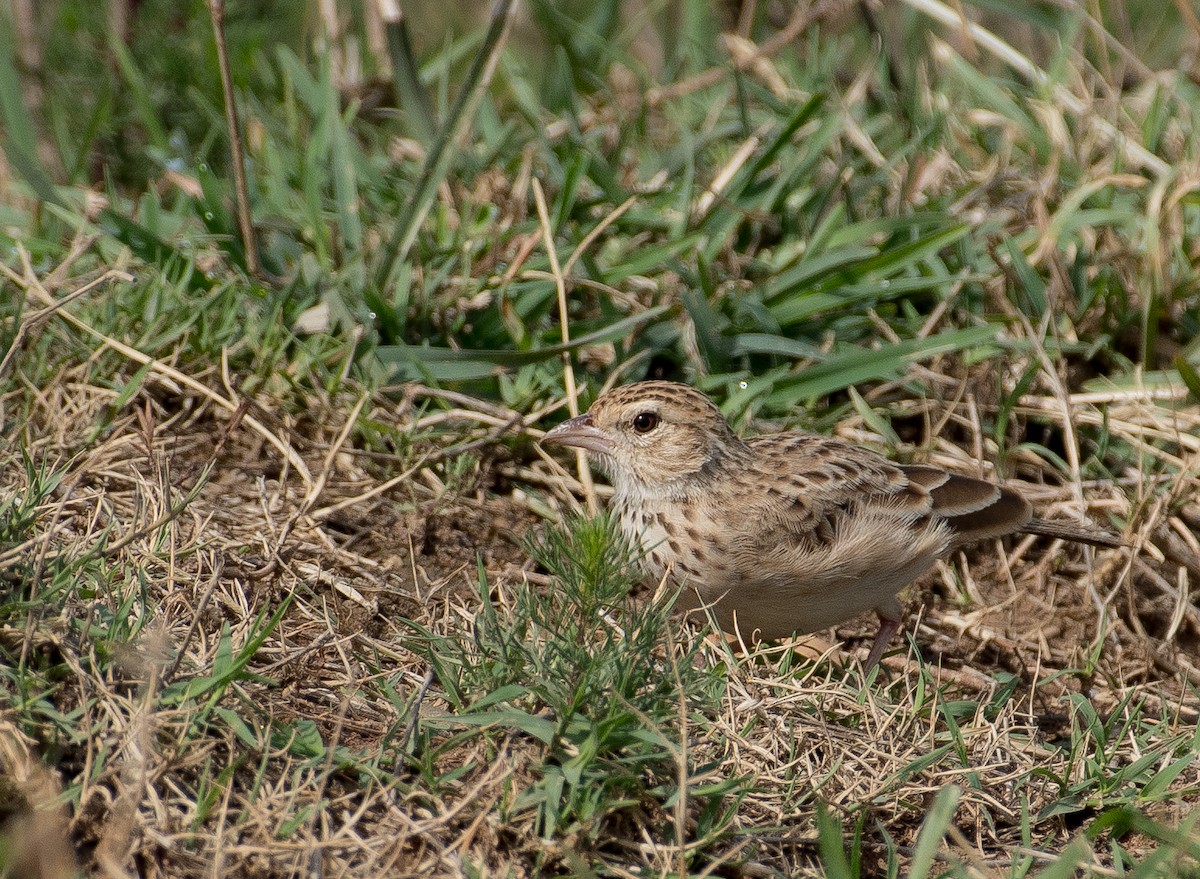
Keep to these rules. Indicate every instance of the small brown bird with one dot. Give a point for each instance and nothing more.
(787, 533)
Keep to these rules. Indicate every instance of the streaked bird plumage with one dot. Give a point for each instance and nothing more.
(785, 533)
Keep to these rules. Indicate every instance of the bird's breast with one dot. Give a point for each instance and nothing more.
(677, 537)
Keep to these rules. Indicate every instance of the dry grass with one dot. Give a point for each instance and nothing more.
(266, 619)
(192, 751)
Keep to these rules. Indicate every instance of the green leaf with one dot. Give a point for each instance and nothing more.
(540, 728)
(853, 365)
(414, 100)
(829, 842)
(304, 83)
(714, 345)
(295, 822)
(241, 728)
(933, 831)
(1031, 292)
(506, 693)
(780, 346)
(1189, 376)
(151, 249)
(1067, 864)
(452, 364)
(135, 83)
(1157, 786)
(343, 157)
(20, 139)
(131, 388)
(872, 419)
(650, 259)
(811, 269)
(303, 739)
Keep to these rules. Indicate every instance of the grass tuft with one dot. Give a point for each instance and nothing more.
(597, 679)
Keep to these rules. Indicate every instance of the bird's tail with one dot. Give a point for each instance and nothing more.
(1062, 531)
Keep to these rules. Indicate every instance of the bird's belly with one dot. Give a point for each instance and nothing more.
(742, 588)
(769, 608)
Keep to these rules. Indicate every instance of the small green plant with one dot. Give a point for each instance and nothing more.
(20, 509)
(597, 677)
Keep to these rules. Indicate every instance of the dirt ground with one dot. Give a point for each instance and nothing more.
(185, 571)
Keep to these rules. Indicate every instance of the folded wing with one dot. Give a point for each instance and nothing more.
(827, 479)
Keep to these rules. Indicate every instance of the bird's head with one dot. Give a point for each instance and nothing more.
(653, 438)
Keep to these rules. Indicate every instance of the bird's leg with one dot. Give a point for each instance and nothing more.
(888, 628)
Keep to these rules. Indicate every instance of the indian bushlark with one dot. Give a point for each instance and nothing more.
(787, 533)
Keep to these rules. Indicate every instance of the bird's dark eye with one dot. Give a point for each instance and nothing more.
(644, 422)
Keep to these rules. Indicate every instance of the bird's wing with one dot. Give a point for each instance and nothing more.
(975, 509)
(822, 479)
(812, 482)
(842, 530)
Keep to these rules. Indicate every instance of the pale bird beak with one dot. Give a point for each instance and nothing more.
(580, 432)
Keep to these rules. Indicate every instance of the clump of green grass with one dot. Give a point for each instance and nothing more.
(601, 687)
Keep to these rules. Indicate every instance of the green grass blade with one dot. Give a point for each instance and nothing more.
(413, 98)
(20, 140)
(856, 365)
(139, 91)
(454, 364)
(933, 831)
(445, 148)
(1190, 376)
(830, 844)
